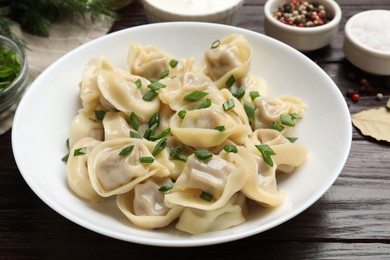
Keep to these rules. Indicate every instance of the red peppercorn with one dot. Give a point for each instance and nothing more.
(355, 97)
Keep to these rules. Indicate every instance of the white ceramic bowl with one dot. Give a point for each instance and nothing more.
(367, 41)
(216, 11)
(302, 38)
(325, 132)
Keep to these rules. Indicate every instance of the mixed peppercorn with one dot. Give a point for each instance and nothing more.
(302, 14)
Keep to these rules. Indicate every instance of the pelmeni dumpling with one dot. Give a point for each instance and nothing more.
(268, 109)
(144, 205)
(218, 178)
(85, 125)
(112, 173)
(261, 185)
(283, 149)
(232, 56)
(147, 61)
(115, 125)
(77, 171)
(197, 128)
(196, 221)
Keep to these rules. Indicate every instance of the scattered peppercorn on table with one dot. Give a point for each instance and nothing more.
(351, 220)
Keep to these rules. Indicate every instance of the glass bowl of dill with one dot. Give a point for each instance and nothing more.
(13, 74)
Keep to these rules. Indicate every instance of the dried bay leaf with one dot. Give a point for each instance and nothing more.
(374, 122)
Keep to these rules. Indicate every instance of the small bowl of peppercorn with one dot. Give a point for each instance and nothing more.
(304, 25)
(13, 75)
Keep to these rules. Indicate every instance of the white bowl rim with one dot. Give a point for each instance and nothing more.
(356, 43)
(305, 30)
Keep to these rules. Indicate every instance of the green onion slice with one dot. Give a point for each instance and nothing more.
(276, 126)
(204, 104)
(202, 154)
(156, 85)
(150, 95)
(164, 74)
(195, 95)
(134, 121)
(126, 151)
(80, 151)
(287, 120)
(146, 159)
(249, 110)
(296, 115)
(182, 114)
(237, 92)
(150, 131)
(166, 187)
(220, 128)
(215, 44)
(135, 135)
(138, 83)
(173, 63)
(206, 196)
(254, 94)
(100, 114)
(266, 152)
(155, 119)
(161, 135)
(177, 153)
(228, 104)
(230, 148)
(65, 158)
(230, 81)
(160, 146)
(292, 139)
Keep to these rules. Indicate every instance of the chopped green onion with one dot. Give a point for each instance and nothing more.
(156, 85)
(164, 74)
(155, 119)
(80, 151)
(249, 110)
(266, 152)
(135, 135)
(67, 143)
(296, 115)
(166, 187)
(228, 104)
(203, 154)
(173, 63)
(204, 104)
(177, 153)
(134, 121)
(215, 44)
(195, 95)
(230, 148)
(238, 92)
(160, 146)
(287, 120)
(220, 128)
(206, 196)
(292, 139)
(65, 158)
(146, 159)
(230, 81)
(254, 94)
(150, 131)
(276, 126)
(138, 83)
(161, 135)
(100, 114)
(182, 114)
(126, 151)
(150, 95)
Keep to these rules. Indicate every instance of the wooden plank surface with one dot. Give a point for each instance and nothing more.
(351, 221)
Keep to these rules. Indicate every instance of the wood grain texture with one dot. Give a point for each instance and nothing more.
(351, 220)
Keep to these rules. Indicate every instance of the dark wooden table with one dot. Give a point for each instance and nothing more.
(352, 219)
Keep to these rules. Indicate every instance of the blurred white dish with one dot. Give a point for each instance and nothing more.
(216, 11)
(367, 41)
(42, 121)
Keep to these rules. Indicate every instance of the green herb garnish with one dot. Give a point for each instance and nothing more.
(254, 94)
(156, 85)
(161, 135)
(228, 104)
(237, 92)
(204, 104)
(135, 135)
(138, 83)
(249, 110)
(230, 148)
(146, 159)
(292, 139)
(150, 95)
(276, 126)
(100, 114)
(134, 121)
(173, 63)
(166, 187)
(230, 81)
(195, 95)
(10, 66)
(215, 44)
(160, 146)
(220, 128)
(80, 151)
(126, 151)
(182, 114)
(202, 154)
(177, 153)
(206, 196)
(266, 152)
(164, 74)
